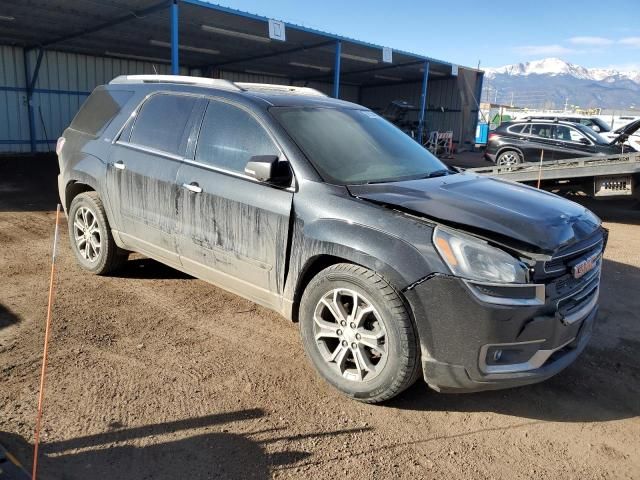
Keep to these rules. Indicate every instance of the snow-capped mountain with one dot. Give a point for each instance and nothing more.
(556, 66)
(552, 80)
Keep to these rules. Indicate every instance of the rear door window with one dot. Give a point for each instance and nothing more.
(162, 123)
(541, 130)
(99, 109)
(230, 136)
(517, 129)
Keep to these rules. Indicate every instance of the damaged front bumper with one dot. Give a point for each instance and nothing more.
(473, 341)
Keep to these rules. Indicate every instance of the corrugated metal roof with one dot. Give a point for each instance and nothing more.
(139, 30)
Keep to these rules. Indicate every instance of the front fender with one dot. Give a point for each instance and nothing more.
(396, 259)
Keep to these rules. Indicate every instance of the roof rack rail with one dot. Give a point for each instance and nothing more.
(269, 87)
(181, 79)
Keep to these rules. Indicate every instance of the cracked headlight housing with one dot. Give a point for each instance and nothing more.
(474, 259)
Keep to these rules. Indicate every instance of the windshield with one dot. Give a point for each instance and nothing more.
(350, 146)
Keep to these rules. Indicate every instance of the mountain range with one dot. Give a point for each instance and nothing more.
(552, 82)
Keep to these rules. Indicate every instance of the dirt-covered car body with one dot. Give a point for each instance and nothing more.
(266, 237)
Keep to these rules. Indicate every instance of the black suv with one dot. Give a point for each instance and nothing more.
(394, 265)
(524, 141)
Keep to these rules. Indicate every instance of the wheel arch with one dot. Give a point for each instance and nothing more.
(324, 242)
(506, 148)
(73, 189)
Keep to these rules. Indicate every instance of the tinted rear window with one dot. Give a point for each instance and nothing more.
(99, 109)
(541, 130)
(516, 128)
(162, 123)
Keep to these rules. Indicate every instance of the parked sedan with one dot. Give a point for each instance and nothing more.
(525, 141)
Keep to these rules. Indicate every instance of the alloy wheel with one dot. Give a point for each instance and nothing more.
(350, 335)
(87, 234)
(509, 159)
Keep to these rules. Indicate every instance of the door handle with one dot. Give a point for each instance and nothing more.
(119, 165)
(192, 187)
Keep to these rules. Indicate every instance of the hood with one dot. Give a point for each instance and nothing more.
(489, 206)
(626, 131)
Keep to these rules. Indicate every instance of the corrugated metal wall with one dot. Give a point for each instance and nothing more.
(444, 103)
(14, 118)
(64, 82)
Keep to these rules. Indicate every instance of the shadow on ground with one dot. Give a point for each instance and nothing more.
(148, 269)
(28, 183)
(218, 454)
(7, 317)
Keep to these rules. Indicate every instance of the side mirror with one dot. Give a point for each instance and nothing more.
(584, 141)
(596, 128)
(268, 168)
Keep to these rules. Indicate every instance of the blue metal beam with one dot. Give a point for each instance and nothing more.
(34, 77)
(336, 70)
(423, 101)
(175, 61)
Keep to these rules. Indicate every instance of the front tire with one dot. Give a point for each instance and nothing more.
(358, 334)
(90, 235)
(509, 158)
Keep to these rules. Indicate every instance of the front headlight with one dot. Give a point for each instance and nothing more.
(474, 259)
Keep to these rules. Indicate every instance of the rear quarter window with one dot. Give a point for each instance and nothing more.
(99, 109)
(162, 123)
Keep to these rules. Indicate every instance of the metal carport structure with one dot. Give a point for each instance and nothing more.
(66, 37)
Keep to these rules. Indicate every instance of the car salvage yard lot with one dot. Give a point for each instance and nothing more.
(155, 374)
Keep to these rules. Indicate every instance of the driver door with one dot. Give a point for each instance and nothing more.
(571, 143)
(233, 230)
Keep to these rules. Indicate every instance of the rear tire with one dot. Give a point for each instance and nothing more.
(358, 333)
(509, 158)
(90, 235)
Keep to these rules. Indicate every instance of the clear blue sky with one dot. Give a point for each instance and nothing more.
(589, 33)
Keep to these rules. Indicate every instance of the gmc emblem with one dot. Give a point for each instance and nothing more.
(585, 266)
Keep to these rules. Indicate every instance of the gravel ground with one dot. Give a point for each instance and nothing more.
(154, 374)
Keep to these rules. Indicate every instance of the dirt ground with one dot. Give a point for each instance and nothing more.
(154, 374)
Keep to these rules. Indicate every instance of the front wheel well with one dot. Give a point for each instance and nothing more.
(509, 148)
(72, 190)
(313, 267)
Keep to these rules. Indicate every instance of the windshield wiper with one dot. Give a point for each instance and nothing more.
(435, 173)
(438, 173)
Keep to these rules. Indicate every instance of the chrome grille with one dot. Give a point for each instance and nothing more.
(557, 273)
(562, 262)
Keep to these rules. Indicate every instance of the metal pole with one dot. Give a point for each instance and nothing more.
(32, 119)
(175, 62)
(423, 101)
(336, 71)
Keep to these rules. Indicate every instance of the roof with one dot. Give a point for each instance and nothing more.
(211, 36)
